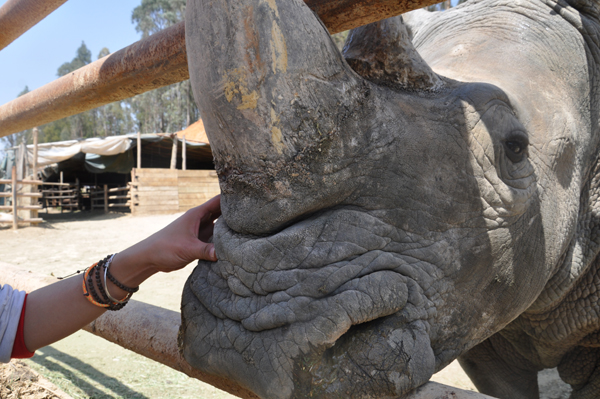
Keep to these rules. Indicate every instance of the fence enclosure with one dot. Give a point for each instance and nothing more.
(22, 199)
(156, 191)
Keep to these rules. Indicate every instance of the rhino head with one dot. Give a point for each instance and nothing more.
(381, 214)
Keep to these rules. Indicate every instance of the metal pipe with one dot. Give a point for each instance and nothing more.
(152, 332)
(341, 15)
(18, 16)
(158, 61)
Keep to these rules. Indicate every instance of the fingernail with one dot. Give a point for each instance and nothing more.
(211, 253)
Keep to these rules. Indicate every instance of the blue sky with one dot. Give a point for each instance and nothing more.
(34, 57)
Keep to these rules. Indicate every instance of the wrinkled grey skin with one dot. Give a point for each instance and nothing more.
(381, 221)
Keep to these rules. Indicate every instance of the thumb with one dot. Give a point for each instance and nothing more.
(206, 251)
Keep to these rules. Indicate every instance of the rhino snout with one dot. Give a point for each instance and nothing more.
(319, 308)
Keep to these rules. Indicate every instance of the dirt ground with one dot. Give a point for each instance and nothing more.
(85, 366)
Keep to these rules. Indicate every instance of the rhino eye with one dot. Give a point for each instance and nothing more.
(515, 149)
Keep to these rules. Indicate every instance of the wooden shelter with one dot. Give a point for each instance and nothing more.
(161, 190)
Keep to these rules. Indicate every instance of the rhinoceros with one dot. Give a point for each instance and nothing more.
(429, 193)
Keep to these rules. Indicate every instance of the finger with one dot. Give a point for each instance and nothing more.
(206, 252)
(213, 206)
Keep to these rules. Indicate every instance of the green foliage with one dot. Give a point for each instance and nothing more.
(340, 39)
(83, 57)
(103, 53)
(24, 91)
(167, 109)
(171, 108)
(155, 15)
(17, 138)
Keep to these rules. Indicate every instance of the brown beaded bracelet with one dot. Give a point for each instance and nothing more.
(94, 287)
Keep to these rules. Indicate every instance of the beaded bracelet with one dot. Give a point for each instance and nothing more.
(86, 292)
(95, 288)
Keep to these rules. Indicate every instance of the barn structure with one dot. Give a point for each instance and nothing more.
(138, 173)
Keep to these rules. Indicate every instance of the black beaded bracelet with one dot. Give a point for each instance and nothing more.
(106, 265)
(94, 287)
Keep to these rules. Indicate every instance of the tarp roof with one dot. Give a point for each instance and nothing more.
(112, 154)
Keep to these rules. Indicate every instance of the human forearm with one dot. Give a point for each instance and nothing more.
(55, 311)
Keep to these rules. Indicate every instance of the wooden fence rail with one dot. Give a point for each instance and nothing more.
(102, 198)
(61, 195)
(156, 61)
(152, 332)
(15, 195)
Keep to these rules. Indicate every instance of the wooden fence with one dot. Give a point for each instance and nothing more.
(61, 195)
(106, 198)
(155, 191)
(15, 195)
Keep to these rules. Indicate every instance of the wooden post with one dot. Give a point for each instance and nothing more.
(139, 150)
(105, 198)
(60, 192)
(183, 155)
(174, 153)
(78, 198)
(14, 197)
(35, 152)
(33, 214)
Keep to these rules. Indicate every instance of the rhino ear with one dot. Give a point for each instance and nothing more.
(383, 53)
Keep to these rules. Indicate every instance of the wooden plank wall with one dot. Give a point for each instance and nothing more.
(196, 187)
(162, 191)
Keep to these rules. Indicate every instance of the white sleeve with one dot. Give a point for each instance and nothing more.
(11, 304)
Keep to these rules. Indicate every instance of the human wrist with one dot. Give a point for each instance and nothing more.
(130, 269)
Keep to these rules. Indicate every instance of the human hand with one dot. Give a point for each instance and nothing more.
(173, 247)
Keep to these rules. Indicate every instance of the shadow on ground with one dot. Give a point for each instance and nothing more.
(55, 360)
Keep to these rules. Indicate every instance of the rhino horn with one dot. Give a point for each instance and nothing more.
(383, 53)
(262, 87)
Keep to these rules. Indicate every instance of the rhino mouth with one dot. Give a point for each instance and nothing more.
(325, 307)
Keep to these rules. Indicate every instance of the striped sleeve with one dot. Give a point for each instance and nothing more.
(11, 304)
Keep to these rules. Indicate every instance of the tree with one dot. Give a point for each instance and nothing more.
(16, 139)
(155, 15)
(108, 120)
(171, 108)
(103, 53)
(83, 57)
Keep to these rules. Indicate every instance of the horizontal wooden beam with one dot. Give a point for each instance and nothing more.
(152, 332)
(158, 61)
(342, 15)
(20, 207)
(9, 181)
(27, 195)
(18, 16)
(23, 221)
